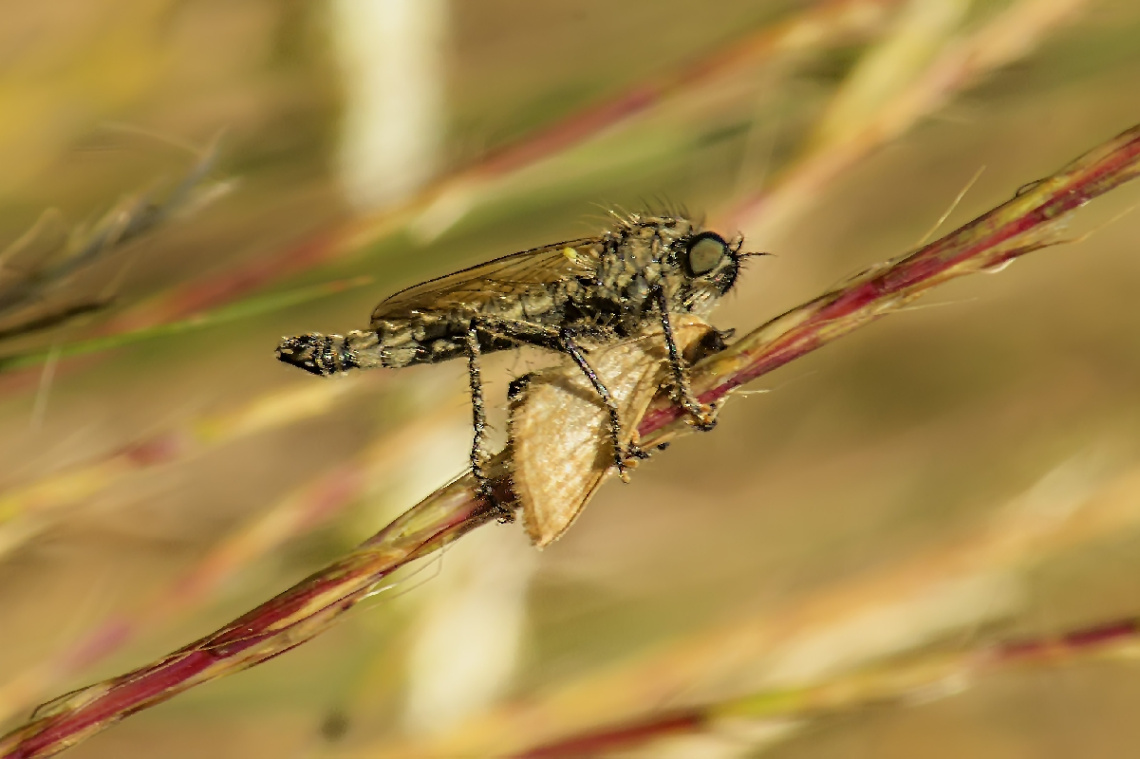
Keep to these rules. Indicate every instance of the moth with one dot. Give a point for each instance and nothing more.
(569, 297)
(559, 433)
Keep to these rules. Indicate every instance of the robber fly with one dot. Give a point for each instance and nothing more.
(566, 297)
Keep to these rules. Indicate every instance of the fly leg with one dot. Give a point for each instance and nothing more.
(479, 455)
(621, 453)
(562, 341)
(704, 416)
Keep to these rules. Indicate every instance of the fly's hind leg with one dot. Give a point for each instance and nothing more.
(704, 417)
(479, 455)
(621, 453)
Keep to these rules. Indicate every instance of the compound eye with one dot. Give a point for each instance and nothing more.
(706, 251)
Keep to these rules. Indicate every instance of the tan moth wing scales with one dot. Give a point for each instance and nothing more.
(559, 432)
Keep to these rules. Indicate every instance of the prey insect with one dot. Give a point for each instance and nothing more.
(559, 433)
(567, 297)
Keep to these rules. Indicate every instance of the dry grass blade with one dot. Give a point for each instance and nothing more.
(872, 638)
(234, 311)
(310, 505)
(858, 125)
(1028, 222)
(29, 508)
(921, 678)
(48, 255)
(815, 27)
(1024, 224)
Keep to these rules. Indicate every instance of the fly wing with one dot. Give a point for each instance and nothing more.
(559, 428)
(508, 277)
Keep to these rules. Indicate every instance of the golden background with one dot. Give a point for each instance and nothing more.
(957, 475)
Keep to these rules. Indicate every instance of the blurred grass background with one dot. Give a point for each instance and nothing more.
(958, 474)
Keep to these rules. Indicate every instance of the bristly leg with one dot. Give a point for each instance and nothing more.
(621, 452)
(479, 455)
(704, 416)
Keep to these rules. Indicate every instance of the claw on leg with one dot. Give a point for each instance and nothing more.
(703, 417)
(484, 491)
(506, 514)
(627, 458)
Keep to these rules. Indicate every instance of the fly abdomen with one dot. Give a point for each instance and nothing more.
(332, 354)
(316, 353)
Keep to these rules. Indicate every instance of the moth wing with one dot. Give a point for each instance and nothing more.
(559, 428)
(508, 277)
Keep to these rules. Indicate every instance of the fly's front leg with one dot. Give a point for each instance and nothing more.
(704, 416)
(479, 456)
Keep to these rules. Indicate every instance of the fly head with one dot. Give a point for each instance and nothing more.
(709, 265)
